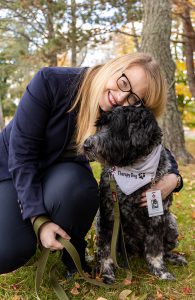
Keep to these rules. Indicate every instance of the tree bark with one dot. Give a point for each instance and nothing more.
(2, 124)
(73, 35)
(189, 47)
(52, 58)
(156, 41)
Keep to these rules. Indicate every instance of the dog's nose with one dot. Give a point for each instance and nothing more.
(88, 144)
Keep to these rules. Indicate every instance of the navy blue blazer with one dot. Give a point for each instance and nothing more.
(38, 134)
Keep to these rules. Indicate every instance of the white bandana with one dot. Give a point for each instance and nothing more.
(131, 178)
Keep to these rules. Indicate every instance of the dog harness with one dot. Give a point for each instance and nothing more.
(131, 178)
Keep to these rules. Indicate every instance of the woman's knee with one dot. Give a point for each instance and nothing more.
(71, 195)
(14, 255)
(69, 184)
(17, 238)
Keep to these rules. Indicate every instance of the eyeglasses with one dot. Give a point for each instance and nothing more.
(125, 86)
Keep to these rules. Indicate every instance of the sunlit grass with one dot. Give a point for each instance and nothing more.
(19, 285)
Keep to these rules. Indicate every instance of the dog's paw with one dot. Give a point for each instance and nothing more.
(163, 274)
(108, 279)
(166, 276)
(176, 259)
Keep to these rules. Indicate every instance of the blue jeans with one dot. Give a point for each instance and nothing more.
(71, 200)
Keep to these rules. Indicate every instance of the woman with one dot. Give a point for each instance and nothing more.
(42, 172)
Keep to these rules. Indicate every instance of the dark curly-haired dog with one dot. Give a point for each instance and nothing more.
(124, 137)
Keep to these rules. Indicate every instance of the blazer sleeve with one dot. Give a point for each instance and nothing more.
(26, 139)
(174, 169)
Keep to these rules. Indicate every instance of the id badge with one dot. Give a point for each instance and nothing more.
(154, 201)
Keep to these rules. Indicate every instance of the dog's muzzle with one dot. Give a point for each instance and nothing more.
(88, 145)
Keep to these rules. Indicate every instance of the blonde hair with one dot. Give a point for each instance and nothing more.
(94, 83)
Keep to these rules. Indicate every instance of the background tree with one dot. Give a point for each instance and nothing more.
(156, 40)
(183, 9)
(53, 27)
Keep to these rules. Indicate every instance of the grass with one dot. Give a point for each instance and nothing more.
(19, 285)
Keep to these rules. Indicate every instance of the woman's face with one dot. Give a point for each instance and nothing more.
(114, 96)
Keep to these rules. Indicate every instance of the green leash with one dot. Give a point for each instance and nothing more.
(56, 286)
(118, 227)
(74, 254)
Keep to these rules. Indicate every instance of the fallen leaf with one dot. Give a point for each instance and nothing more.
(14, 286)
(17, 297)
(159, 295)
(178, 204)
(180, 237)
(133, 297)
(187, 290)
(127, 281)
(193, 214)
(75, 291)
(98, 278)
(101, 298)
(123, 295)
(77, 285)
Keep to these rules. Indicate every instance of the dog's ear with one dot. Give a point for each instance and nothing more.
(118, 120)
(143, 128)
(103, 119)
(115, 119)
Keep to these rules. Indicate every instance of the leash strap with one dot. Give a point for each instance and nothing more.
(43, 261)
(116, 228)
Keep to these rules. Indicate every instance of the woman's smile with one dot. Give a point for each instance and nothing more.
(111, 99)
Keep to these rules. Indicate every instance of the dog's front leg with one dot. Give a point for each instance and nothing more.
(104, 229)
(104, 236)
(154, 250)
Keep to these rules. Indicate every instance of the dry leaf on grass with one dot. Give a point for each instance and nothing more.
(14, 287)
(101, 298)
(193, 214)
(127, 281)
(17, 297)
(187, 290)
(123, 295)
(75, 291)
(159, 295)
(77, 285)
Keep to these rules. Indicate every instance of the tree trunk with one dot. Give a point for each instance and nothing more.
(1, 117)
(73, 34)
(189, 42)
(156, 40)
(52, 57)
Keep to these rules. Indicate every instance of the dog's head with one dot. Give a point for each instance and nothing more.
(124, 135)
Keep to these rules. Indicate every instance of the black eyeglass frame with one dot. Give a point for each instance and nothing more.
(139, 101)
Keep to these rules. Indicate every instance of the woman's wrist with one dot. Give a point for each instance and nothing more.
(38, 222)
(177, 181)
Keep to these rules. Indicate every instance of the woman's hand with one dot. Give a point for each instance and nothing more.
(166, 185)
(47, 236)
